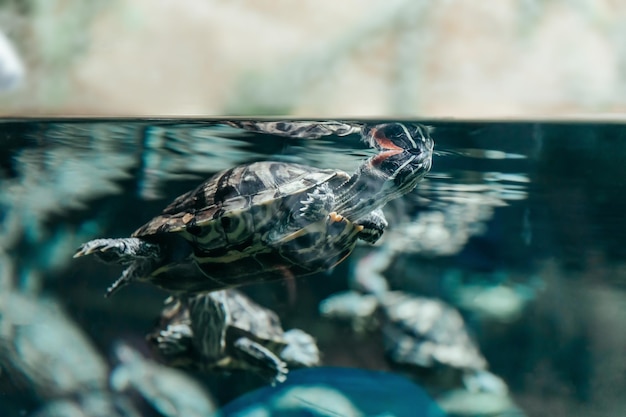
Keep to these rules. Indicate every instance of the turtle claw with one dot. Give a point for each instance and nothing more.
(122, 251)
(87, 249)
(261, 358)
(318, 203)
(106, 248)
(281, 375)
(301, 349)
(372, 226)
(100, 246)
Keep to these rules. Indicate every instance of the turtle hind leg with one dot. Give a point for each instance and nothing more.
(122, 251)
(120, 283)
(261, 359)
(374, 225)
(137, 270)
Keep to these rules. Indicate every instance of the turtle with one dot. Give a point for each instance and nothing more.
(421, 335)
(417, 331)
(427, 340)
(424, 338)
(269, 220)
(226, 330)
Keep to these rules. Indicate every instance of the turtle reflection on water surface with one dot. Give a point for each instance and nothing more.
(270, 220)
(226, 330)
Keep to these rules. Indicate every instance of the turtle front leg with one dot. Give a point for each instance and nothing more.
(122, 251)
(374, 224)
(261, 359)
(318, 204)
(174, 340)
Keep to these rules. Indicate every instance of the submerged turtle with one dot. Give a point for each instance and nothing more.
(427, 340)
(270, 220)
(424, 338)
(421, 335)
(418, 332)
(225, 330)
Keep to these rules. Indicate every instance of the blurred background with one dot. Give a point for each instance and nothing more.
(455, 58)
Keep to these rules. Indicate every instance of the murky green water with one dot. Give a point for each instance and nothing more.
(512, 246)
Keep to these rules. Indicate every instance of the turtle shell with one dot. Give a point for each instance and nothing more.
(244, 225)
(202, 332)
(241, 318)
(427, 333)
(235, 204)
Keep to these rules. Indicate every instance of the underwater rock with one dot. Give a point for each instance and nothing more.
(169, 391)
(95, 404)
(45, 350)
(336, 392)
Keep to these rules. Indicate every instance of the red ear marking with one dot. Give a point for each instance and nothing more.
(383, 141)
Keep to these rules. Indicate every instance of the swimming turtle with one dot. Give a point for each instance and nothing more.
(270, 220)
(226, 330)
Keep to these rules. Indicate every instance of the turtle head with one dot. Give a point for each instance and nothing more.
(405, 154)
(404, 157)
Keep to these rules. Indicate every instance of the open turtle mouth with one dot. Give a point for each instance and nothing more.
(381, 141)
(399, 137)
(392, 139)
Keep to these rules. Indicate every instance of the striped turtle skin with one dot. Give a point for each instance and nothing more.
(270, 220)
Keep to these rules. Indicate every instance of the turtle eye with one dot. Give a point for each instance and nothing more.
(194, 229)
(392, 131)
(226, 223)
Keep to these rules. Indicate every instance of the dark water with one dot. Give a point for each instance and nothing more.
(518, 226)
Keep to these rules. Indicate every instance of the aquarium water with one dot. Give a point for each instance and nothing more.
(497, 288)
